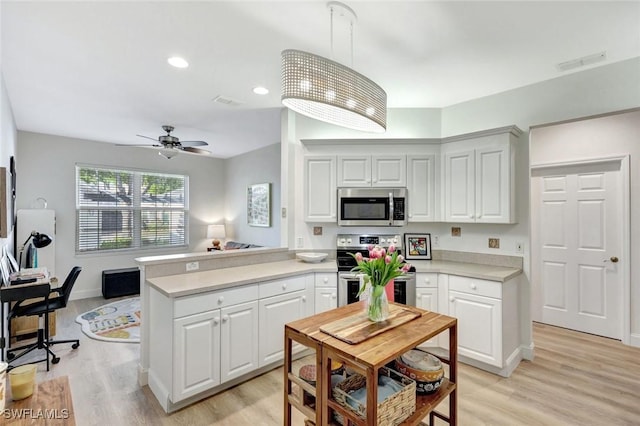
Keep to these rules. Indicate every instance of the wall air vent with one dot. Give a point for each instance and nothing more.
(225, 100)
(581, 62)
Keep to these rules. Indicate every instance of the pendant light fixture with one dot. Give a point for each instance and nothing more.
(326, 90)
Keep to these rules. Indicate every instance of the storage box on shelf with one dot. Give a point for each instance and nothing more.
(366, 358)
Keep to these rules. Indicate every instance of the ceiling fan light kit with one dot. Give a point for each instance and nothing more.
(326, 90)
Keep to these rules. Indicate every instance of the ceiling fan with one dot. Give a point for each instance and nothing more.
(171, 145)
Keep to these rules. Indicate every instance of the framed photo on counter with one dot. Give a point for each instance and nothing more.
(417, 246)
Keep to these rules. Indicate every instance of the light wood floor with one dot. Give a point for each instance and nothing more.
(575, 379)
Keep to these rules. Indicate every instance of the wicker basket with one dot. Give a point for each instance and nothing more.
(391, 411)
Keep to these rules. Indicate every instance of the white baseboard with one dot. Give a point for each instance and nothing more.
(143, 375)
(85, 294)
(528, 352)
(634, 340)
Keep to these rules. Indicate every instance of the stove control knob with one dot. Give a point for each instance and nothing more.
(349, 241)
(395, 241)
(342, 241)
(382, 240)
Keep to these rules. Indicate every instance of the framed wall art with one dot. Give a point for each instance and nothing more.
(259, 205)
(417, 246)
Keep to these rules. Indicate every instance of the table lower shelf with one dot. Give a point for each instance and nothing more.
(425, 404)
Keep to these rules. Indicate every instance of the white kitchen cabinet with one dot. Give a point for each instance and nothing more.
(326, 292)
(488, 325)
(196, 352)
(421, 185)
(320, 190)
(479, 179)
(427, 299)
(239, 340)
(294, 301)
(386, 171)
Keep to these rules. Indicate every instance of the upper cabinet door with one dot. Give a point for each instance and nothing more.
(421, 186)
(389, 171)
(320, 189)
(459, 191)
(354, 170)
(493, 185)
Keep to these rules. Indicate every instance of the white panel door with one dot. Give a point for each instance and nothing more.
(427, 299)
(479, 326)
(239, 340)
(389, 171)
(459, 192)
(275, 312)
(354, 170)
(196, 354)
(493, 185)
(421, 186)
(320, 195)
(326, 299)
(578, 238)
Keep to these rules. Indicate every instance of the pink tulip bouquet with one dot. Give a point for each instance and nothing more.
(378, 269)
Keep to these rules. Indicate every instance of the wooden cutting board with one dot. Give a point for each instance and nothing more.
(357, 328)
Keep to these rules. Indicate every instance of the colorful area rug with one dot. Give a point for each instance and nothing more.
(115, 322)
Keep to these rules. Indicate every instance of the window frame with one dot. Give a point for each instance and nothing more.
(136, 210)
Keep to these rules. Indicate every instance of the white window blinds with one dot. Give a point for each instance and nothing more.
(120, 209)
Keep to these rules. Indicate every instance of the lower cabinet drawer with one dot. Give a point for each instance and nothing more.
(282, 286)
(189, 305)
(476, 286)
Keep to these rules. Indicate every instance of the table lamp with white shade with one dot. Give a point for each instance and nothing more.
(216, 232)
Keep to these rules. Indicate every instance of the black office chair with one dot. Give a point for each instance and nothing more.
(43, 308)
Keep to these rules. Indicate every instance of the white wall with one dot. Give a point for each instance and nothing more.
(46, 168)
(8, 142)
(259, 166)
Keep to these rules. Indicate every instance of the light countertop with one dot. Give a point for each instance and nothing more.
(218, 279)
(472, 270)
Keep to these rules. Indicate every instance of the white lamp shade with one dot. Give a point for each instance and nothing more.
(216, 231)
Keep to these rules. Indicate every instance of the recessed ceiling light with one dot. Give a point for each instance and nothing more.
(260, 90)
(178, 62)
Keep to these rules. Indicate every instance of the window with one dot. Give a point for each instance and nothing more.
(120, 209)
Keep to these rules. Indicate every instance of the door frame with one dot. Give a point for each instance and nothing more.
(624, 161)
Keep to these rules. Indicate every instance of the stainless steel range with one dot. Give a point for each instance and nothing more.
(349, 283)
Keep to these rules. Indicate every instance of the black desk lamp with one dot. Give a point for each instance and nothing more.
(39, 241)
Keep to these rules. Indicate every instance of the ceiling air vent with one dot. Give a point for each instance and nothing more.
(225, 100)
(581, 62)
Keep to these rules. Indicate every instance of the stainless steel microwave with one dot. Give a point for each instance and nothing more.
(372, 206)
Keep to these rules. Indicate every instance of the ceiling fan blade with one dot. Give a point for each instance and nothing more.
(147, 137)
(193, 143)
(137, 144)
(196, 150)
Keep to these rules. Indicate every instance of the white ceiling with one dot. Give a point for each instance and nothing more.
(98, 70)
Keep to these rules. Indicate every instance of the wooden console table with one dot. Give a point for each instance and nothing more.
(367, 358)
(50, 405)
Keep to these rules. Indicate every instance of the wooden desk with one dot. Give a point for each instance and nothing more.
(50, 405)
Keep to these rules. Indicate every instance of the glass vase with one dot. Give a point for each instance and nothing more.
(377, 304)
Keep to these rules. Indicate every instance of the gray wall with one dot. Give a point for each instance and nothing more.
(8, 142)
(46, 168)
(259, 166)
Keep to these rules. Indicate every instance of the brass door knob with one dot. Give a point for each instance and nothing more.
(614, 259)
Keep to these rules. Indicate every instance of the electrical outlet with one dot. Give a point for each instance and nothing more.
(436, 241)
(300, 242)
(284, 212)
(193, 266)
(519, 248)
(317, 230)
(456, 231)
(494, 243)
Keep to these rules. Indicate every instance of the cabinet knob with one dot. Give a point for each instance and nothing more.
(473, 286)
(453, 299)
(284, 286)
(333, 295)
(326, 279)
(220, 299)
(419, 296)
(410, 215)
(304, 298)
(216, 320)
(472, 217)
(427, 280)
(225, 318)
